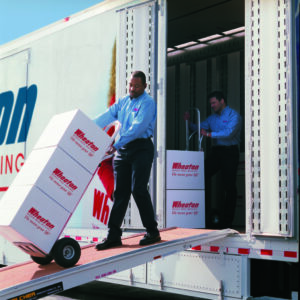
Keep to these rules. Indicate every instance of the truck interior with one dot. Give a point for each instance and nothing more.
(205, 52)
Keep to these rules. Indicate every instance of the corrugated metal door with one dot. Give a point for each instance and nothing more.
(137, 44)
(269, 124)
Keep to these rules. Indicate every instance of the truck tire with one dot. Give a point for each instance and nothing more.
(66, 252)
(42, 260)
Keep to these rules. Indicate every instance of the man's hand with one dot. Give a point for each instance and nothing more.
(205, 133)
(111, 150)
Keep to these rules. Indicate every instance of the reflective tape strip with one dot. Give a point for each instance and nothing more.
(198, 248)
(157, 257)
(244, 251)
(292, 254)
(214, 249)
(248, 251)
(266, 252)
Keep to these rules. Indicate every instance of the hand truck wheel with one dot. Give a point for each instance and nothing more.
(66, 252)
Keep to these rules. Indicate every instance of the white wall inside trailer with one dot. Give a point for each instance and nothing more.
(190, 80)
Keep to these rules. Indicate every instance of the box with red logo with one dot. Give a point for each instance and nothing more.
(55, 173)
(185, 170)
(44, 194)
(186, 208)
(78, 136)
(31, 220)
(185, 194)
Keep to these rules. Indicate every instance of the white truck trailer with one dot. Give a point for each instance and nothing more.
(250, 50)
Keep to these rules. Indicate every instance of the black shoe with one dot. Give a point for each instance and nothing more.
(108, 243)
(150, 239)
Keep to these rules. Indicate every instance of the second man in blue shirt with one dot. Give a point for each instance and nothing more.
(223, 127)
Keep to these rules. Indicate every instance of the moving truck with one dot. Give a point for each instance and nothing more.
(247, 48)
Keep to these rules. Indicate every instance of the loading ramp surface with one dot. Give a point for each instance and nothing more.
(32, 281)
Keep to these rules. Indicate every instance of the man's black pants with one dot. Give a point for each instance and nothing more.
(226, 160)
(132, 167)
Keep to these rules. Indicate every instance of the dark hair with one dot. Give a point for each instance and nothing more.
(139, 74)
(218, 95)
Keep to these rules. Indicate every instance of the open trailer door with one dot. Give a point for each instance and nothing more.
(141, 45)
(271, 179)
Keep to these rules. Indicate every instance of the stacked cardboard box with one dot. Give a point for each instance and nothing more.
(45, 193)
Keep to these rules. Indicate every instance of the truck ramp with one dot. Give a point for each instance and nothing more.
(32, 281)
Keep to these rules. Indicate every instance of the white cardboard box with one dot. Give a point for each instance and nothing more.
(28, 216)
(55, 173)
(186, 208)
(185, 170)
(41, 199)
(78, 136)
(185, 194)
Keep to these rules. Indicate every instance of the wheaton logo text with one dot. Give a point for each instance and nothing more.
(11, 115)
(101, 209)
(35, 214)
(67, 182)
(179, 204)
(15, 119)
(178, 166)
(81, 135)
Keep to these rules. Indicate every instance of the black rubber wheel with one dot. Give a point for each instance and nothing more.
(66, 252)
(42, 260)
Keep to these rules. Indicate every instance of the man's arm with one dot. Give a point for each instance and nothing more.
(145, 116)
(203, 125)
(232, 127)
(110, 115)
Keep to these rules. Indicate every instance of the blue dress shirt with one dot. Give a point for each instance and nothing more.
(137, 117)
(225, 128)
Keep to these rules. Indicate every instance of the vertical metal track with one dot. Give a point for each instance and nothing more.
(136, 51)
(255, 117)
(269, 100)
(138, 42)
(283, 118)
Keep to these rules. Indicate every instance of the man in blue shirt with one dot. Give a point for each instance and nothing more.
(223, 127)
(132, 164)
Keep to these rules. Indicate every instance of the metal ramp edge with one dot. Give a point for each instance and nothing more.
(117, 259)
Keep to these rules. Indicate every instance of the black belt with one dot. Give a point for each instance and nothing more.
(226, 147)
(139, 140)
